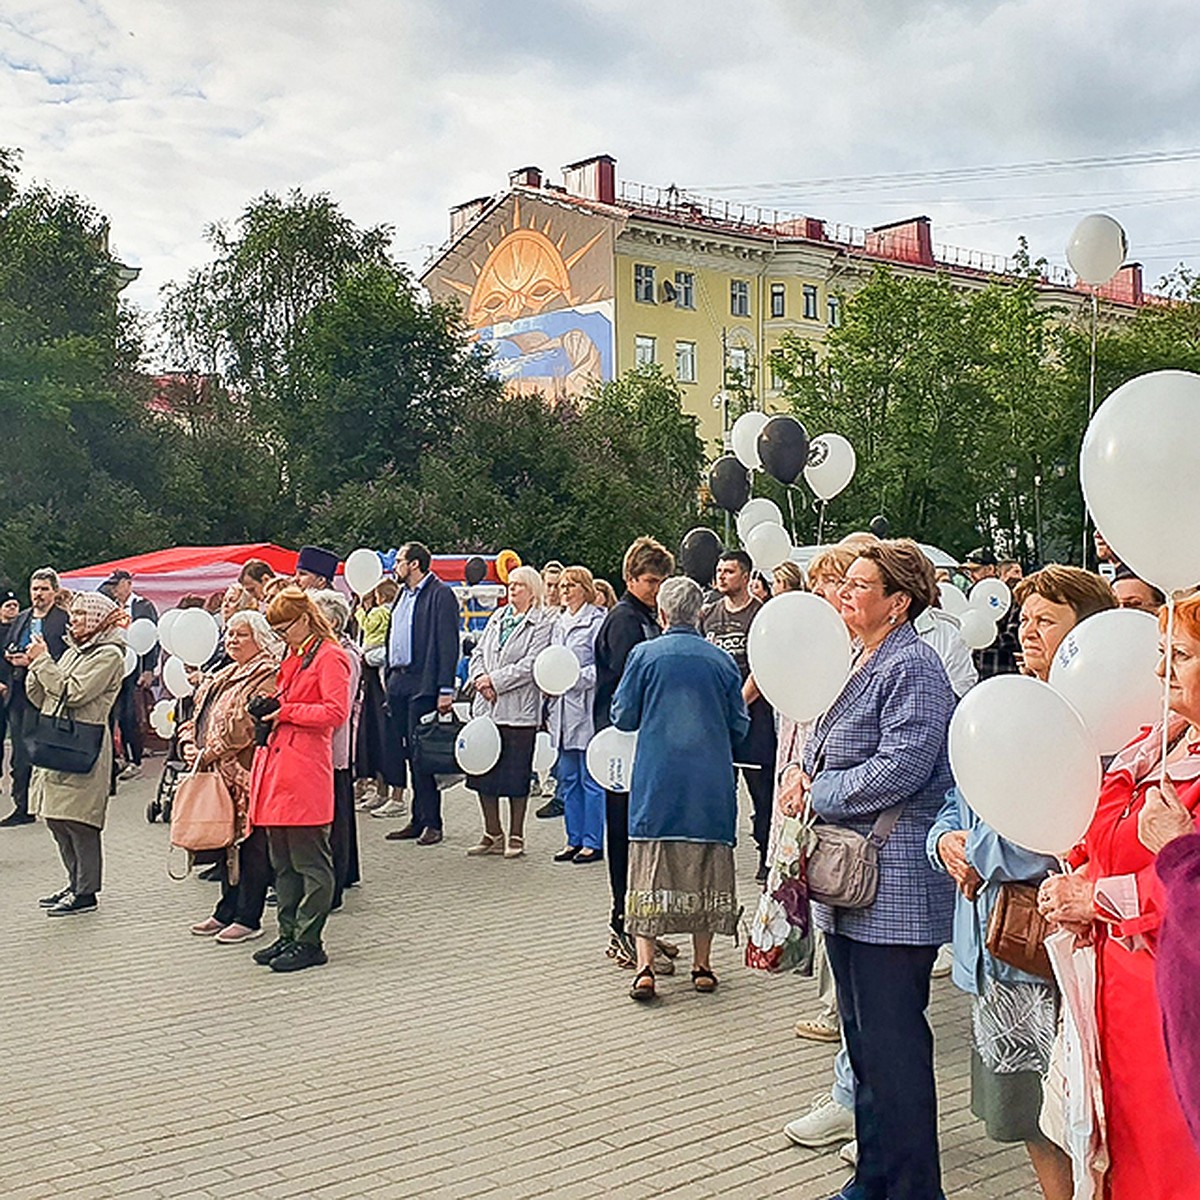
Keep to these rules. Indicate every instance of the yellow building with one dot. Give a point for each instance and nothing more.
(577, 282)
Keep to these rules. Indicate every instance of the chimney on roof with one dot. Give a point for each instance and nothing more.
(593, 178)
(461, 215)
(903, 241)
(1125, 287)
(530, 177)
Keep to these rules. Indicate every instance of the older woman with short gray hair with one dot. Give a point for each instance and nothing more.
(684, 698)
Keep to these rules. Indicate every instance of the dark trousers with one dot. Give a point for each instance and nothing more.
(20, 715)
(405, 712)
(126, 709)
(343, 835)
(303, 867)
(883, 992)
(242, 902)
(79, 846)
(760, 783)
(616, 831)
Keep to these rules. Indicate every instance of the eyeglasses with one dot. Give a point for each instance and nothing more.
(282, 629)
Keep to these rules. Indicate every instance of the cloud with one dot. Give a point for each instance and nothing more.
(172, 115)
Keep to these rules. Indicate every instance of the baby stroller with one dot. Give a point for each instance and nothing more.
(173, 768)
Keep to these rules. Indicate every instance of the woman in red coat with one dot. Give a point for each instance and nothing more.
(291, 783)
(1116, 898)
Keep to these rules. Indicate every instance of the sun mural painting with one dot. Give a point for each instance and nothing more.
(545, 312)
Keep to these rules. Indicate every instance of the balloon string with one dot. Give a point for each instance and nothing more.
(792, 513)
(1167, 681)
(821, 523)
(1091, 405)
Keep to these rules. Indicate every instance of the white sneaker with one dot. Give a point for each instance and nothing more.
(849, 1153)
(826, 1123)
(944, 963)
(391, 808)
(132, 771)
(370, 802)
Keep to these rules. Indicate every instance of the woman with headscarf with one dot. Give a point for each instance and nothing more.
(83, 684)
(221, 737)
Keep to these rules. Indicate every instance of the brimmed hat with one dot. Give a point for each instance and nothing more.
(984, 556)
(317, 560)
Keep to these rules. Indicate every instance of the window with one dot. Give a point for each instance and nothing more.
(643, 349)
(739, 297)
(643, 283)
(778, 300)
(685, 289)
(835, 310)
(776, 378)
(737, 366)
(810, 302)
(685, 362)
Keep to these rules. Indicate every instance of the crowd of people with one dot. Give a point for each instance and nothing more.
(309, 710)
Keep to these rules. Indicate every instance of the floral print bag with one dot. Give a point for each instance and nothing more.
(780, 936)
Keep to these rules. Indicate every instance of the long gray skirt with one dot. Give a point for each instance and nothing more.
(681, 887)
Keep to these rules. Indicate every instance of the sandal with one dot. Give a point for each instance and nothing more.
(490, 843)
(516, 846)
(642, 987)
(703, 980)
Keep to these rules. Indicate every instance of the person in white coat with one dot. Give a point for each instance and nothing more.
(501, 673)
(570, 719)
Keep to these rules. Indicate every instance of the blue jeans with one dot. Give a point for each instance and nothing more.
(844, 1083)
(583, 801)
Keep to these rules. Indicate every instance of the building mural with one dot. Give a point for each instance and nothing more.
(538, 282)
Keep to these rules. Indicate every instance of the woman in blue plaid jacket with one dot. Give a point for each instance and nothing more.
(882, 744)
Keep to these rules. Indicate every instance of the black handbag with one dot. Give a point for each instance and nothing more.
(433, 745)
(58, 742)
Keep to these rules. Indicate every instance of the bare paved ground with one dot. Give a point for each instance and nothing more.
(468, 1038)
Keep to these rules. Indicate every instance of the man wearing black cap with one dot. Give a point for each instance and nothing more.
(1000, 658)
(127, 710)
(315, 568)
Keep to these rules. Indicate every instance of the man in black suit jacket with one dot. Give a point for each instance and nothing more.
(422, 656)
(44, 619)
(119, 585)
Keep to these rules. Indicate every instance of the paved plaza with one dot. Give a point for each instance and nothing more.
(468, 1038)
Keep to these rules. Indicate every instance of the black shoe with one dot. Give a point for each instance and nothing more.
(567, 854)
(587, 855)
(299, 955)
(51, 901)
(16, 817)
(553, 808)
(210, 874)
(409, 833)
(71, 904)
(760, 876)
(267, 954)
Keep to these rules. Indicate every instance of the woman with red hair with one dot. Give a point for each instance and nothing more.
(1115, 898)
(291, 783)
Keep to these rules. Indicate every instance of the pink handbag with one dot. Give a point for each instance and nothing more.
(202, 813)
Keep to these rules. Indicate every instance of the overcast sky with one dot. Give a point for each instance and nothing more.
(171, 114)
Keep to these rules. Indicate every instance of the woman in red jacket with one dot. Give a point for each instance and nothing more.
(1116, 899)
(291, 784)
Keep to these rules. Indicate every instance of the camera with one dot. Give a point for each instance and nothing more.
(259, 707)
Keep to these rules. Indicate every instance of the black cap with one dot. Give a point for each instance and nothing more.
(318, 561)
(118, 575)
(984, 556)
(7, 594)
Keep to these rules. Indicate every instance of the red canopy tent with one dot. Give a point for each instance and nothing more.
(165, 575)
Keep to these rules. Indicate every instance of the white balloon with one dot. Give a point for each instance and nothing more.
(831, 464)
(175, 678)
(1097, 248)
(1138, 467)
(362, 571)
(977, 628)
(953, 599)
(162, 707)
(194, 636)
(799, 650)
(166, 622)
(1107, 668)
(161, 726)
(759, 511)
(141, 636)
(131, 660)
(992, 596)
(743, 438)
(545, 753)
(610, 756)
(1017, 719)
(768, 545)
(477, 747)
(556, 670)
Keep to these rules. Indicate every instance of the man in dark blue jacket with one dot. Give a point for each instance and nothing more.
(422, 655)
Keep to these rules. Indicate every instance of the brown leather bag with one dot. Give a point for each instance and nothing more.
(1016, 932)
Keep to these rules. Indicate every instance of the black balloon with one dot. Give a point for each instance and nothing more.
(729, 483)
(879, 526)
(783, 448)
(474, 570)
(698, 554)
